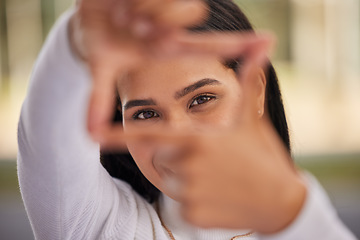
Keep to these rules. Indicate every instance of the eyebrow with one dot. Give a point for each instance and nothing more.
(195, 86)
(139, 102)
(179, 94)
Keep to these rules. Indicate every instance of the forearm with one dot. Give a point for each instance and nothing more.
(59, 170)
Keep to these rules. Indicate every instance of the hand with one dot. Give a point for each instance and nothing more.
(241, 178)
(116, 36)
(263, 191)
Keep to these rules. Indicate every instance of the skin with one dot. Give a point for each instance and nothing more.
(160, 81)
(233, 168)
(115, 36)
(224, 151)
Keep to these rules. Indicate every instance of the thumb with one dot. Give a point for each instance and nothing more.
(102, 98)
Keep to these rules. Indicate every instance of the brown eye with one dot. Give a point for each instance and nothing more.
(143, 115)
(201, 100)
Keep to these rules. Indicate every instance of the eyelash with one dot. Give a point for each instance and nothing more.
(206, 95)
(138, 113)
(196, 98)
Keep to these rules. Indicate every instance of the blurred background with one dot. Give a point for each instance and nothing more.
(317, 60)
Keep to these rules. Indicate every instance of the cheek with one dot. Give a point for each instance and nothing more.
(142, 153)
(225, 117)
(231, 107)
(226, 112)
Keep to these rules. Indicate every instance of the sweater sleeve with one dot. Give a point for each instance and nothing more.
(66, 192)
(316, 220)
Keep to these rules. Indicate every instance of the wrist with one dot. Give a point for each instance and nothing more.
(74, 38)
(293, 202)
(289, 204)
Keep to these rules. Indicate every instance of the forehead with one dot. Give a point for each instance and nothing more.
(167, 76)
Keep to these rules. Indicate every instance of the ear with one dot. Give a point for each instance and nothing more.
(261, 85)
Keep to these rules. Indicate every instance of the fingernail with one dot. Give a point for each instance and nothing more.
(141, 27)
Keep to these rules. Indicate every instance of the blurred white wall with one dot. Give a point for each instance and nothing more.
(25, 36)
(324, 96)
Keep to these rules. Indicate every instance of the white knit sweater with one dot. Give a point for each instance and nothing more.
(69, 195)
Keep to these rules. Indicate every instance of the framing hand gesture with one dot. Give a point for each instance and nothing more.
(117, 36)
(240, 178)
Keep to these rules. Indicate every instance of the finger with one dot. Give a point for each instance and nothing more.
(252, 49)
(112, 138)
(115, 138)
(250, 94)
(120, 13)
(255, 59)
(102, 97)
(174, 14)
(224, 45)
(256, 54)
(171, 12)
(148, 7)
(88, 6)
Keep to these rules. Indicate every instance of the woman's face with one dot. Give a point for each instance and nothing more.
(184, 95)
